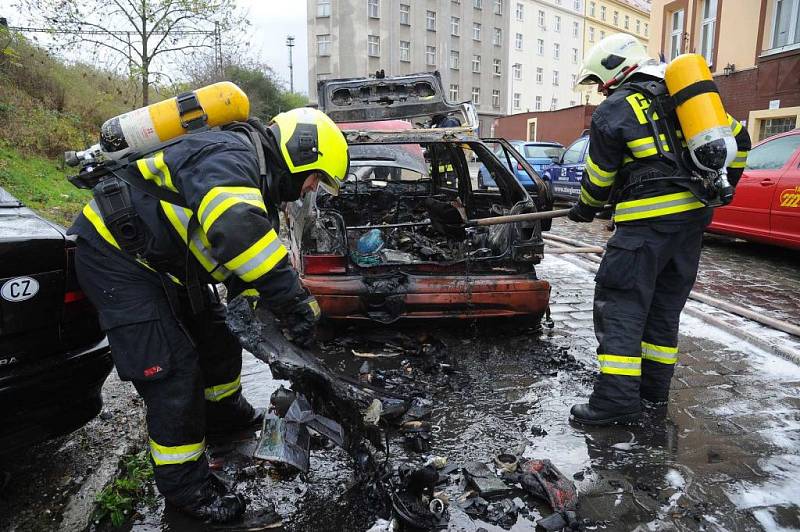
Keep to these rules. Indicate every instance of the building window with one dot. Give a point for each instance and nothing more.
(709, 14)
(627, 22)
(786, 28)
(374, 46)
(373, 9)
(676, 34)
(518, 41)
(780, 150)
(517, 71)
(539, 75)
(430, 55)
(497, 37)
(454, 59)
(430, 20)
(405, 14)
(574, 56)
(572, 103)
(517, 98)
(555, 78)
(496, 99)
(538, 104)
(498, 7)
(323, 8)
(476, 31)
(576, 28)
(455, 24)
(556, 24)
(405, 51)
(323, 45)
(616, 18)
(602, 12)
(576, 5)
(553, 104)
(477, 4)
(476, 64)
(497, 67)
(540, 19)
(540, 46)
(591, 9)
(453, 92)
(574, 82)
(520, 12)
(476, 95)
(591, 33)
(646, 29)
(638, 26)
(556, 51)
(602, 35)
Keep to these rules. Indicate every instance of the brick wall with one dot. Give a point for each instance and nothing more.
(564, 125)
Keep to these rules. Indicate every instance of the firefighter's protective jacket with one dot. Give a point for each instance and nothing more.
(235, 238)
(621, 143)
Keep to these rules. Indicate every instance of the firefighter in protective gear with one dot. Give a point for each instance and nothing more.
(173, 345)
(651, 261)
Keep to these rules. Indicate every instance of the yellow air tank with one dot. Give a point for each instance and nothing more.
(143, 129)
(699, 108)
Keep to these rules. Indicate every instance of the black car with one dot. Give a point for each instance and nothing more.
(53, 356)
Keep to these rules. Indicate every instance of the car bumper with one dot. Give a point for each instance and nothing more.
(54, 397)
(419, 296)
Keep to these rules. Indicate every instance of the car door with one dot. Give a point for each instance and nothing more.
(568, 179)
(749, 212)
(785, 212)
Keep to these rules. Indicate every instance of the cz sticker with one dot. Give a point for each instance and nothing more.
(19, 289)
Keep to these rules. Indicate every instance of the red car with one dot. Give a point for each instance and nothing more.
(766, 207)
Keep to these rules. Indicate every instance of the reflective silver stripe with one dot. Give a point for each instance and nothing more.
(162, 456)
(606, 181)
(210, 263)
(222, 196)
(643, 147)
(151, 166)
(221, 391)
(262, 256)
(654, 206)
(619, 365)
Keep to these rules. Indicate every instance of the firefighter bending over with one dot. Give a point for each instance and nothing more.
(149, 279)
(639, 161)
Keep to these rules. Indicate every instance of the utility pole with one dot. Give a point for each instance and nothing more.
(290, 45)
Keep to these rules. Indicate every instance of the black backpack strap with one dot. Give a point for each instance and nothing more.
(134, 178)
(113, 198)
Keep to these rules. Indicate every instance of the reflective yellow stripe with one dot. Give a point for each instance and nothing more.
(221, 391)
(155, 170)
(659, 353)
(259, 258)
(589, 200)
(179, 218)
(646, 146)
(740, 161)
(177, 454)
(736, 126)
(250, 292)
(220, 199)
(656, 206)
(92, 214)
(620, 365)
(598, 176)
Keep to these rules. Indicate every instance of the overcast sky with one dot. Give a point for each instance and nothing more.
(272, 21)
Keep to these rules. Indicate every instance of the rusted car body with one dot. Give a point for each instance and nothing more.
(376, 251)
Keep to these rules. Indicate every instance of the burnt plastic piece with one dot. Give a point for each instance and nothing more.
(543, 480)
(281, 400)
(483, 479)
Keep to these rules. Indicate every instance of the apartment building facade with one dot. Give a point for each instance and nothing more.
(606, 17)
(465, 40)
(545, 51)
(752, 48)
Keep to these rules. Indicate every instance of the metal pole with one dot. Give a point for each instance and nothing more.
(290, 45)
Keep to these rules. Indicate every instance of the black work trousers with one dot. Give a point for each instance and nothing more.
(186, 367)
(643, 283)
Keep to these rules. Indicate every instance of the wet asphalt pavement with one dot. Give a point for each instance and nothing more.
(724, 456)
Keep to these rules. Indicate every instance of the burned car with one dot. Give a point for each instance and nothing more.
(393, 244)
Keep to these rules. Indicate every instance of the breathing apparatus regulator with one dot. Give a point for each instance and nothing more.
(687, 93)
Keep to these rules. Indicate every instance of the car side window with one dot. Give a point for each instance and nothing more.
(773, 154)
(574, 153)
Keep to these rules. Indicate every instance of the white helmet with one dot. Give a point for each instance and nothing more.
(614, 59)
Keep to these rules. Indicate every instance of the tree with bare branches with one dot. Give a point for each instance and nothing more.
(145, 34)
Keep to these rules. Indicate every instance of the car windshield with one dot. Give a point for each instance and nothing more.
(541, 152)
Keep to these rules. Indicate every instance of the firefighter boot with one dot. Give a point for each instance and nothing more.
(213, 503)
(234, 414)
(586, 414)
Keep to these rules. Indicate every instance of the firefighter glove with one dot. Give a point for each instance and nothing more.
(298, 318)
(580, 213)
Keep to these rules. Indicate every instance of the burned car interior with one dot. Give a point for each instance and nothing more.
(405, 204)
